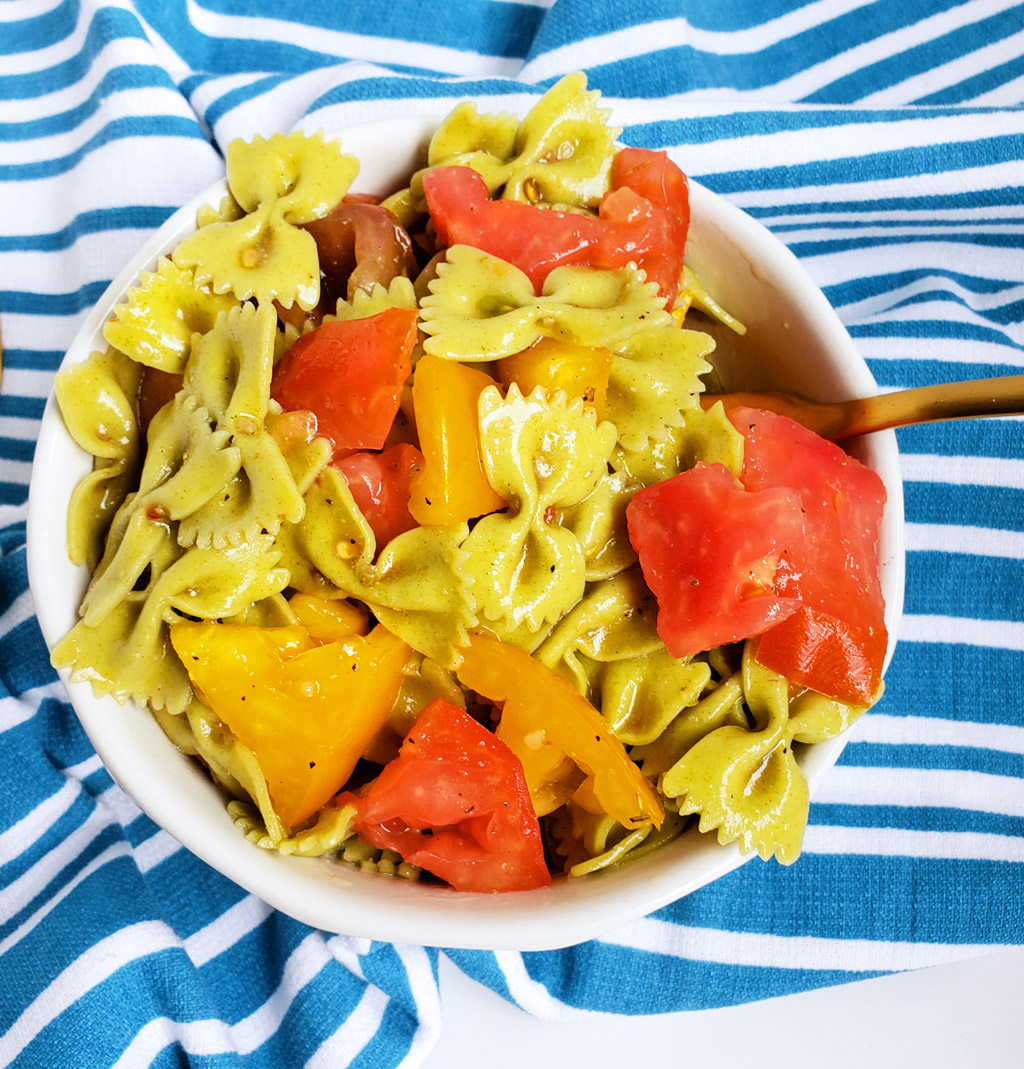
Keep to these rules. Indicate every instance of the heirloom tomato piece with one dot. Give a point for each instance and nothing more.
(709, 550)
(349, 373)
(576, 370)
(836, 642)
(628, 228)
(380, 485)
(450, 487)
(563, 742)
(307, 711)
(454, 802)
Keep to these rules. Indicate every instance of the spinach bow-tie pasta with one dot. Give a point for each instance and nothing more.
(275, 493)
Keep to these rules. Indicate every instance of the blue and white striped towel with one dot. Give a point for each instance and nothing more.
(883, 143)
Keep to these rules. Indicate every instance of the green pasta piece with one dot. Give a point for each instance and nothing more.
(655, 382)
(96, 399)
(326, 835)
(599, 524)
(482, 308)
(415, 588)
(641, 696)
(615, 619)
(560, 154)
(154, 326)
(540, 454)
(692, 294)
(745, 782)
(303, 174)
(399, 293)
(280, 182)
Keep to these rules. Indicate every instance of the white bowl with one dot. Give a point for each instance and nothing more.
(794, 342)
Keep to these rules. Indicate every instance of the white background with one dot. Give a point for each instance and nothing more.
(967, 1015)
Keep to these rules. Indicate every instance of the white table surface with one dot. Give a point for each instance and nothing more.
(967, 1015)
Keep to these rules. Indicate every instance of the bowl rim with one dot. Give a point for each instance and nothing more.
(131, 744)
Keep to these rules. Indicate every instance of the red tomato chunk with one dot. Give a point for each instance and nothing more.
(836, 643)
(631, 225)
(708, 550)
(349, 374)
(455, 802)
(380, 486)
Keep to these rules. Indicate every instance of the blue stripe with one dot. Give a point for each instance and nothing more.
(981, 588)
(932, 678)
(152, 126)
(993, 507)
(33, 359)
(50, 304)
(915, 818)
(946, 758)
(119, 80)
(127, 217)
(39, 31)
(107, 24)
(498, 29)
(966, 38)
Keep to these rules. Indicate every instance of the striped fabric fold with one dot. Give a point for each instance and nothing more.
(883, 144)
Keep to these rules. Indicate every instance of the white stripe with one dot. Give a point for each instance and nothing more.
(303, 964)
(999, 634)
(16, 10)
(157, 848)
(145, 102)
(676, 33)
(25, 382)
(833, 266)
(114, 851)
(38, 821)
(34, 880)
(165, 171)
(88, 971)
(952, 73)
(934, 731)
(981, 792)
(222, 933)
(427, 998)
(119, 52)
(197, 1038)
(974, 541)
(18, 710)
(355, 1034)
(943, 350)
(23, 607)
(527, 993)
(761, 950)
(902, 842)
(343, 45)
(963, 471)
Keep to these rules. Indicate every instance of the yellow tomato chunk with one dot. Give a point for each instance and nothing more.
(306, 711)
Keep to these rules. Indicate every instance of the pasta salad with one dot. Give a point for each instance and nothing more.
(414, 521)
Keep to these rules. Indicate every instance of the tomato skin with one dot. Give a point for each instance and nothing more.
(380, 485)
(836, 644)
(349, 374)
(454, 802)
(629, 227)
(708, 550)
